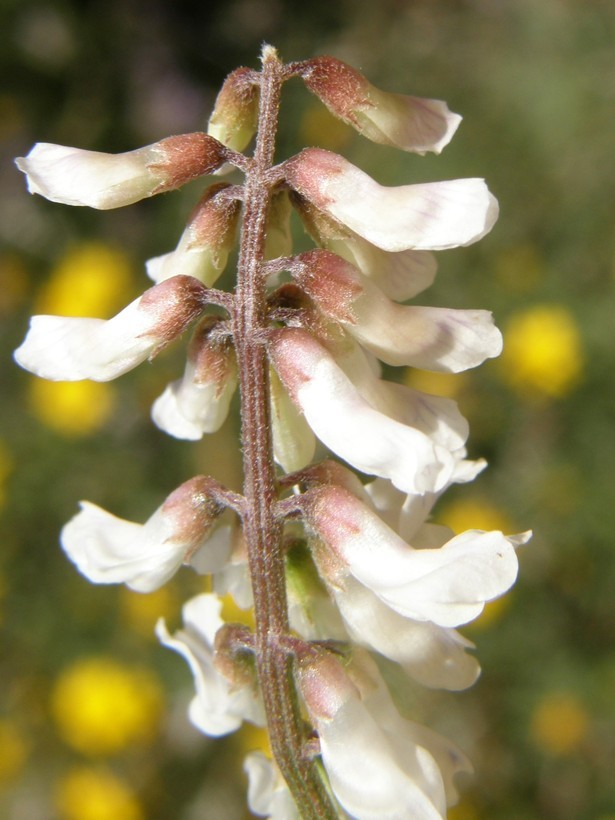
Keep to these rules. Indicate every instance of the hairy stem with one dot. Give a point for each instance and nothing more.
(262, 529)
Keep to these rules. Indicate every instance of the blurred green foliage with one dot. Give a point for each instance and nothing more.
(535, 83)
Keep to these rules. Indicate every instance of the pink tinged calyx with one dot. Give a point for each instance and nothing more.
(206, 242)
(234, 118)
(411, 123)
(70, 349)
(74, 176)
(428, 216)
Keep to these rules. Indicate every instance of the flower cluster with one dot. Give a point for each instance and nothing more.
(359, 571)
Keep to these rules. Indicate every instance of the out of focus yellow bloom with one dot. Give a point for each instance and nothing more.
(101, 706)
(559, 724)
(542, 351)
(319, 127)
(91, 279)
(96, 794)
(231, 613)
(6, 467)
(438, 384)
(141, 610)
(13, 751)
(71, 408)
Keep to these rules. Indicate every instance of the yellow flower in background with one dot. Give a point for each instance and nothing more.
(6, 467)
(232, 614)
(319, 127)
(13, 751)
(140, 611)
(559, 724)
(253, 738)
(91, 279)
(542, 351)
(437, 384)
(71, 408)
(474, 513)
(101, 706)
(95, 794)
(478, 513)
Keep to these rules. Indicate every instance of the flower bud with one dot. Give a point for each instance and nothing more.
(206, 242)
(234, 118)
(428, 216)
(74, 176)
(199, 402)
(67, 348)
(411, 123)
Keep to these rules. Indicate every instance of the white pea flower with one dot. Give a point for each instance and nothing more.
(378, 764)
(68, 348)
(198, 403)
(427, 216)
(348, 424)
(110, 550)
(410, 123)
(447, 584)
(429, 338)
(219, 706)
(74, 176)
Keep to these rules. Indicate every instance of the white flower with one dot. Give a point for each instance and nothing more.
(206, 242)
(77, 177)
(110, 550)
(199, 402)
(348, 424)
(293, 440)
(380, 766)
(448, 584)
(67, 348)
(219, 707)
(411, 123)
(268, 794)
(429, 338)
(427, 216)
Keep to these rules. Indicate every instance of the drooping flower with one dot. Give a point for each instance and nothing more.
(429, 338)
(447, 582)
(402, 770)
(428, 216)
(74, 176)
(110, 550)
(198, 403)
(348, 424)
(69, 348)
(219, 706)
(411, 123)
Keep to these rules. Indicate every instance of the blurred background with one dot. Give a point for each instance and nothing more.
(92, 710)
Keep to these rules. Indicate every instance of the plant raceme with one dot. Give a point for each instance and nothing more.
(341, 571)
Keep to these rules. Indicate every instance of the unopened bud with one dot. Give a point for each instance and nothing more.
(235, 113)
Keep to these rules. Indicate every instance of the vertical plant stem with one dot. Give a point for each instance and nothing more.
(263, 532)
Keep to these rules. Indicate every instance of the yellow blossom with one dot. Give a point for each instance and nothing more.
(91, 279)
(71, 408)
(96, 794)
(559, 724)
(542, 351)
(438, 384)
(141, 611)
(13, 750)
(231, 613)
(101, 706)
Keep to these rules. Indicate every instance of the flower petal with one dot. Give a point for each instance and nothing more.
(70, 349)
(74, 176)
(218, 708)
(428, 216)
